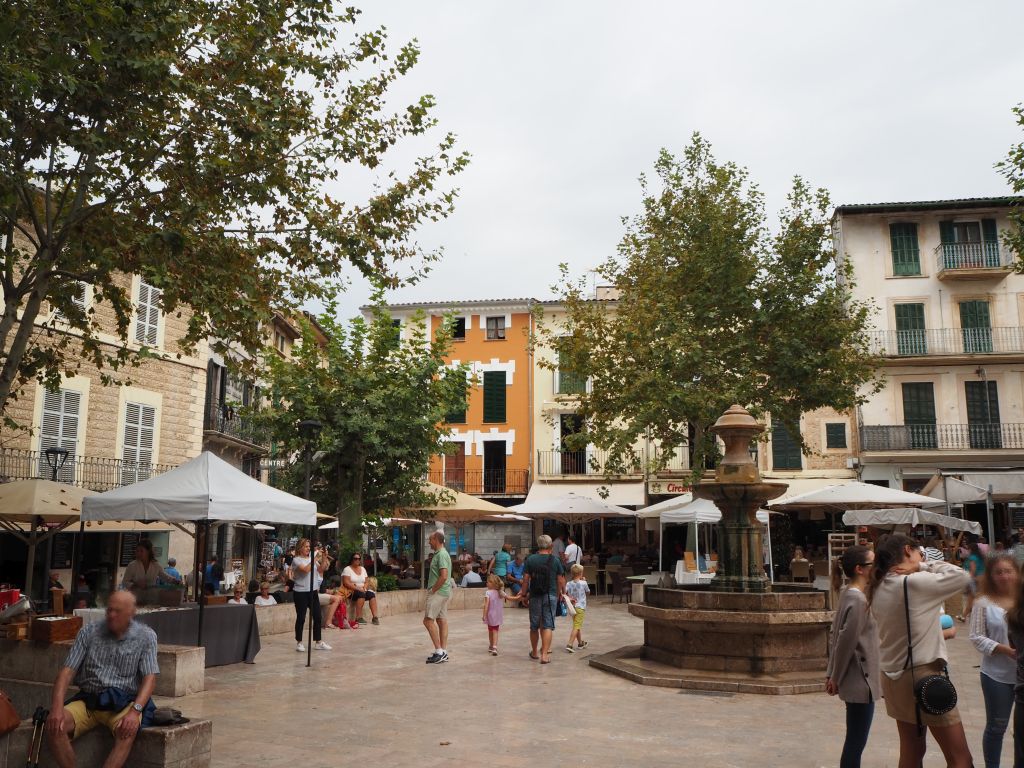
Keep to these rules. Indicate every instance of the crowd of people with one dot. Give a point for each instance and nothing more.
(889, 641)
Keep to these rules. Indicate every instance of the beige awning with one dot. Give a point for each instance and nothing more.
(620, 494)
(25, 501)
(456, 507)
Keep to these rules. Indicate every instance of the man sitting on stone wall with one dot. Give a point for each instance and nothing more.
(114, 665)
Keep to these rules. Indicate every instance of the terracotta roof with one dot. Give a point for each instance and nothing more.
(932, 205)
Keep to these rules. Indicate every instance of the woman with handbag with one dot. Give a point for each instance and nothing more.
(989, 634)
(853, 658)
(905, 594)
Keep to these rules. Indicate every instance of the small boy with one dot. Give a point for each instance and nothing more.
(577, 590)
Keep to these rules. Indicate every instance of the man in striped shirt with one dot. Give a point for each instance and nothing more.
(114, 665)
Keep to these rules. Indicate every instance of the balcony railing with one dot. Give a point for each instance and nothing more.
(677, 463)
(948, 341)
(582, 463)
(484, 482)
(942, 437)
(226, 419)
(92, 472)
(953, 257)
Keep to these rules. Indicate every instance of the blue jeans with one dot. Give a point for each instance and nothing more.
(858, 726)
(998, 706)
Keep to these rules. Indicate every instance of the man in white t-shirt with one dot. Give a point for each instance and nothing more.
(573, 552)
(469, 576)
(558, 548)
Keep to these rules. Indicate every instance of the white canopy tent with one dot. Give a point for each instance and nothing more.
(569, 508)
(853, 495)
(891, 518)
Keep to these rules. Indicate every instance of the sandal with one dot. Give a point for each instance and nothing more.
(545, 661)
(534, 656)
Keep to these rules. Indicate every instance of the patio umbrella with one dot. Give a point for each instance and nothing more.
(889, 518)
(36, 510)
(456, 507)
(509, 518)
(853, 495)
(570, 508)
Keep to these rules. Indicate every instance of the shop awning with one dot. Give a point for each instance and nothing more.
(619, 494)
(890, 518)
(973, 487)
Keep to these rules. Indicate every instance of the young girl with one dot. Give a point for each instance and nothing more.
(853, 659)
(899, 561)
(494, 610)
(996, 593)
(577, 590)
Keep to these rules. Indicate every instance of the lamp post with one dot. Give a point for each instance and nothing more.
(55, 458)
(309, 430)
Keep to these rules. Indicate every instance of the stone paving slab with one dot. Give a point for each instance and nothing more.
(373, 701)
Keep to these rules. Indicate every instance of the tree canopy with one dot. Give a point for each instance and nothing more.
(1012, 169)
(713, 307)
(381, 396)
(210, 146)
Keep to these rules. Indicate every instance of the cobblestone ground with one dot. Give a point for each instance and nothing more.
(373, 701)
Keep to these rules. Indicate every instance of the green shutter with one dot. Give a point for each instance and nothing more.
(946, 234)
(494, 397)
(975, 326)
(458, 416)
(906, 255)
(990, 242)
(569, 383)
(919, 414)
(983, 414)
(785, 450)
(835, 435)
(910, 330)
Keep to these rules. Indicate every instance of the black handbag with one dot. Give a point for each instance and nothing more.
(935, 694)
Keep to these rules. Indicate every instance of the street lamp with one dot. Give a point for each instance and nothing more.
(309, 430)
(55, 458)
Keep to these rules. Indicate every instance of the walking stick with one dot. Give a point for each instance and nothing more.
(36, 743)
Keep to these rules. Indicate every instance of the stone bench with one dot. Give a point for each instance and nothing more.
(178, 746)
(182, 668)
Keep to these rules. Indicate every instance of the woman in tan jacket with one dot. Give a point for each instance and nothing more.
(852, 672)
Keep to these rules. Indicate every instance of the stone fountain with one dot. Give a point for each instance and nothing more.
(740, 632)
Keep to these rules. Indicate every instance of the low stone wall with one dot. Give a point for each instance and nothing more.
(280, 619)
(177, 746)
(182, 668)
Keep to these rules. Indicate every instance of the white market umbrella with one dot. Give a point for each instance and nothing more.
(570, 508)
(853, 495)
(509, 518)
(888, 518)
(668, 505)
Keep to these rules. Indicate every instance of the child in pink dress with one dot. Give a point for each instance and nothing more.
(494, 610)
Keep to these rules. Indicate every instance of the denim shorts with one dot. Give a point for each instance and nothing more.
(542, 612)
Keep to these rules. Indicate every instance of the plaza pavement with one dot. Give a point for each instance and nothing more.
(373, 702)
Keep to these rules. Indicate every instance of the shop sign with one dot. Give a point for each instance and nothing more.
(668, 487)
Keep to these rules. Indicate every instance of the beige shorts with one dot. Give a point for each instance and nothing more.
(437, 606)
(900, 703)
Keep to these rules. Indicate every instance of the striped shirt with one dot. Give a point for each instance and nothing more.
(101, 660)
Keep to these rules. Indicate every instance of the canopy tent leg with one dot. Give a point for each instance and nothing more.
(201, 592)
(30, 565)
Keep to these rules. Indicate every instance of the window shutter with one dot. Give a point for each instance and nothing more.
(910, 331)
(906, 256)
(785, 450)
(137, 452)
(494, 397)
(946, 232)
(147, 321)
(459, 416)
(835, 435)
(59, 429)
(988, 231)
(569, 383)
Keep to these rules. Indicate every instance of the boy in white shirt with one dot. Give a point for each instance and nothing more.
(577, 590)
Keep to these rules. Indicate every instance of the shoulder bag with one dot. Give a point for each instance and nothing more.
(9, 719)
(935, 694)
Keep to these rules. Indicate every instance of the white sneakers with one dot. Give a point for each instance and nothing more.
(300, 647)
(320, 645)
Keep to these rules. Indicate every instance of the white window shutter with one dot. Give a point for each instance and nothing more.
(147, 320)
(59, 429)
(137, 453)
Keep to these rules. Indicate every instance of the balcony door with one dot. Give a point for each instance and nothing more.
(455, 469)
(983, 414)
(574, 461)
(919, 415)
(494, 466)
(910, 336)
(976, 326)
(59, 429)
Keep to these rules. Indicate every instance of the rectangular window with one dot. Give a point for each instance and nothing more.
(147, 319)
(459, 328)
(919, 415)
(495, 328)
(835, 435)
(785, 450)
(458, 416)
(975, 327)
(280, 342)
(139, 432)
(569, 383)
(910, 331)
(455, 468)
(906, 255)
(983, 426)
(77, 291)
(59, 429)
(494, 397)
(494, 466)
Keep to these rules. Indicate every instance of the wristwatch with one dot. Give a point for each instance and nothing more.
(137, 707)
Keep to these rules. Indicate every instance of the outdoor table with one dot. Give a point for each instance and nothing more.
(231, 633)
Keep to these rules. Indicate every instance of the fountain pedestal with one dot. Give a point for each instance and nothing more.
(740, 633)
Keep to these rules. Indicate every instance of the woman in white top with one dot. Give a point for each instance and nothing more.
(239, 596)
(353, 578)
(264, 599)
(899, 560)
(997, 589)
(144, 573)
(307, 575)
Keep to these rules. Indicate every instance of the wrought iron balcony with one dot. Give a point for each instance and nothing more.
(92, 472)
(676, 464)
(942, 437)
(972, 259)
(226, 420)
(580, 463)
(484, 482)
(948, 341)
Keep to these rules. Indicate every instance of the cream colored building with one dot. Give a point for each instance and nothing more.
(949, 323)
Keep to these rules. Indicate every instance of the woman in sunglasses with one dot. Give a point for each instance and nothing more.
(852, 672)
(353, 578)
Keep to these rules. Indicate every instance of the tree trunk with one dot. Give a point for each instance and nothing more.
(15, 353)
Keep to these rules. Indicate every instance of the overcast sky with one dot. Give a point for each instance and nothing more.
(564, 104)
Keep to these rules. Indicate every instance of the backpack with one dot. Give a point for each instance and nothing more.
(540, 584)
